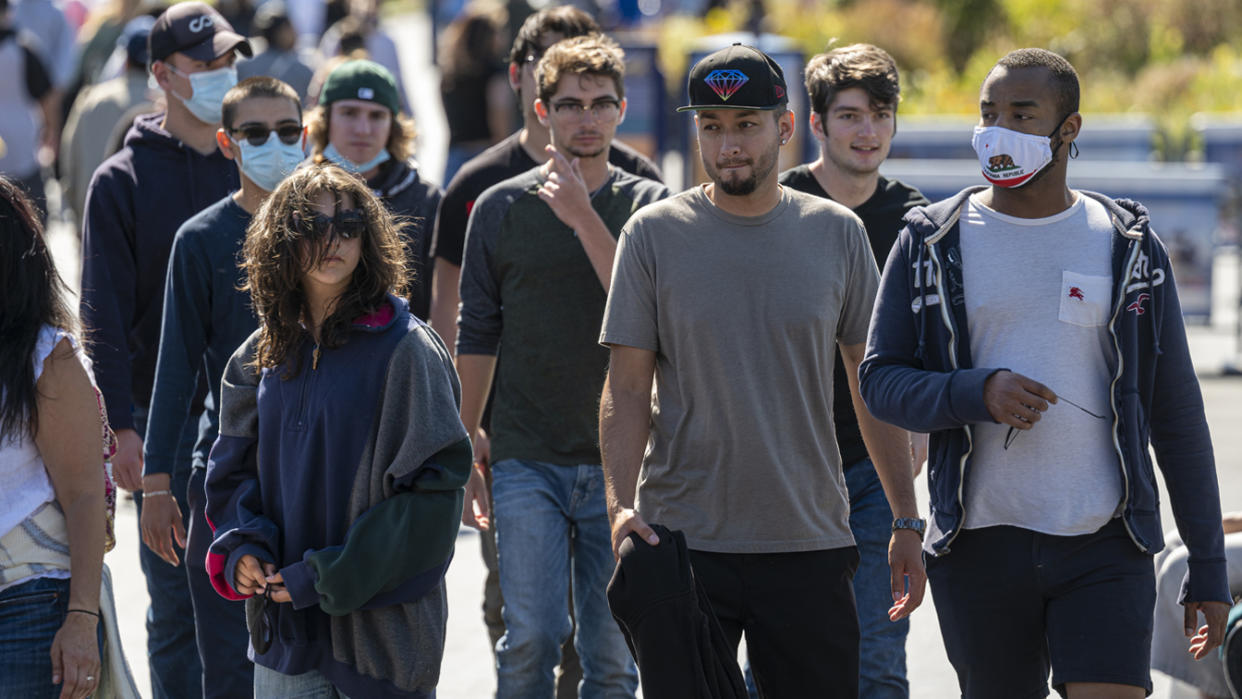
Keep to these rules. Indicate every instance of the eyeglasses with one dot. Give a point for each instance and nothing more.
(1013, 432)
(258, 134)
(602, 109)
(345, 225)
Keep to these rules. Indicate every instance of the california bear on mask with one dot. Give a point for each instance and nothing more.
(1010, 158)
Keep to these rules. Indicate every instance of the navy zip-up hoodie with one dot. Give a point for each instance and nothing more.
(348, 476)
(137, 200)
(918, 374)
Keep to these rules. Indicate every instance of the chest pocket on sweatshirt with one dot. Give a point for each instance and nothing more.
(1084, 299)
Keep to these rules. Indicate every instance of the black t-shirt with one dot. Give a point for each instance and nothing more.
(466, 107)
(882, 216)
(38, 82)
(498, 163)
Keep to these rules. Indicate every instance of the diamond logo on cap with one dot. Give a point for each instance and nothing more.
(366, 93)
(725, 82)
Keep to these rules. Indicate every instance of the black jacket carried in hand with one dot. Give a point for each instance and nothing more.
(668, 623)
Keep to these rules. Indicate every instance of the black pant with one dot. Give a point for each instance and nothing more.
(798, 613)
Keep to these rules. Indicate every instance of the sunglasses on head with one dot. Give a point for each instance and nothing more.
(257, 134)
(343, 225)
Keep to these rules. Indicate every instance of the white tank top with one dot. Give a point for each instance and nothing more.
(26, 485)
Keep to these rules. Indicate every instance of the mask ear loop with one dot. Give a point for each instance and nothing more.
(1073, 152)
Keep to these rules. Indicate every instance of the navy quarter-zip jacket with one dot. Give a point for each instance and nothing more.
(918, 374)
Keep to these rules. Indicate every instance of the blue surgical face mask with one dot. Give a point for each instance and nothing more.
(331, 153)
(207, 102)
(269, 164)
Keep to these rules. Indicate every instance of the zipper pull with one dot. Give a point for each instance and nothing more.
(315, 358)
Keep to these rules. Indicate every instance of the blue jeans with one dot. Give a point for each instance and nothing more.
(269, 684)
(882, 650)
(176, 671)
(552, 531)
(30, 615)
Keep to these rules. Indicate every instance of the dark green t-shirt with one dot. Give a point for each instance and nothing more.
(528, 285)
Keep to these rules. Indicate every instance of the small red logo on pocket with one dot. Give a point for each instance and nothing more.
(1137, 306)
(1076, 293)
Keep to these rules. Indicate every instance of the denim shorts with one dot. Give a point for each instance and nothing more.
(30, 615)
(1014, 604)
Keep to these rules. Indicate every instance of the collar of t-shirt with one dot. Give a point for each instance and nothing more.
(988, 211)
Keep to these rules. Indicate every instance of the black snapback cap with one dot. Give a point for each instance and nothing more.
(197, 30)
(737, 77)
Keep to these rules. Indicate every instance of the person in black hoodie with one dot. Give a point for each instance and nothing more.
(854, 94)
(360, 127)
(168, 170)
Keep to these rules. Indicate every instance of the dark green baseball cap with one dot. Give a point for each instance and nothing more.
(361, 80)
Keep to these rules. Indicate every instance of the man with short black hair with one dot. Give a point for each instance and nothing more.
(206, 318)
(735, 296)
(169, 169)
(854, 94)
(1035, 332)
(539, 255)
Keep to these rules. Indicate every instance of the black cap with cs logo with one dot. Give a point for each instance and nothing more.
(197, 30)
(737, 77)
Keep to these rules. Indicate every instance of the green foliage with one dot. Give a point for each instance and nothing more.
(1169, 59)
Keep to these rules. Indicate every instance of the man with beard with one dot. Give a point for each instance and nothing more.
(1035, 332)
(538, 259)
(734, 296)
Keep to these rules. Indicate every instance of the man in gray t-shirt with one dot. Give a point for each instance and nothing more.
(734, 296)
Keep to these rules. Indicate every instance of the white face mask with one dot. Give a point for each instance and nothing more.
(1010, 158)
(269, 164)
(207, 102)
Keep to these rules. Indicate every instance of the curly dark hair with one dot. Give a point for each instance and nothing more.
(277, 255)
(34, 296)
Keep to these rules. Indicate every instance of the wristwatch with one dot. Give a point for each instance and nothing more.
(914, 524)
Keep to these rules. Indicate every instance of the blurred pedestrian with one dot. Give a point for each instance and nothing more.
(478, 104)
(279, 58)
(335, 486)
(169, 169)
(57, 39)
(363, 22)
(359, 125)
(54, 509)
(29, 110)
(101, 116)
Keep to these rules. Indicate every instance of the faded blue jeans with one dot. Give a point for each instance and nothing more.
(552, 531)
(269, 684)
(882, 650)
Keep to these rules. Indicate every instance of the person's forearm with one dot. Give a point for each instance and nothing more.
(624, 428)
(888, 447)
(444, 301)
(84, 515)
(599, 245)
(475, 372)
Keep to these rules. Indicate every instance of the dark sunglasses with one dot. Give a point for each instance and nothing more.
(258, 134)
(345, 225)
(1013, 432)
